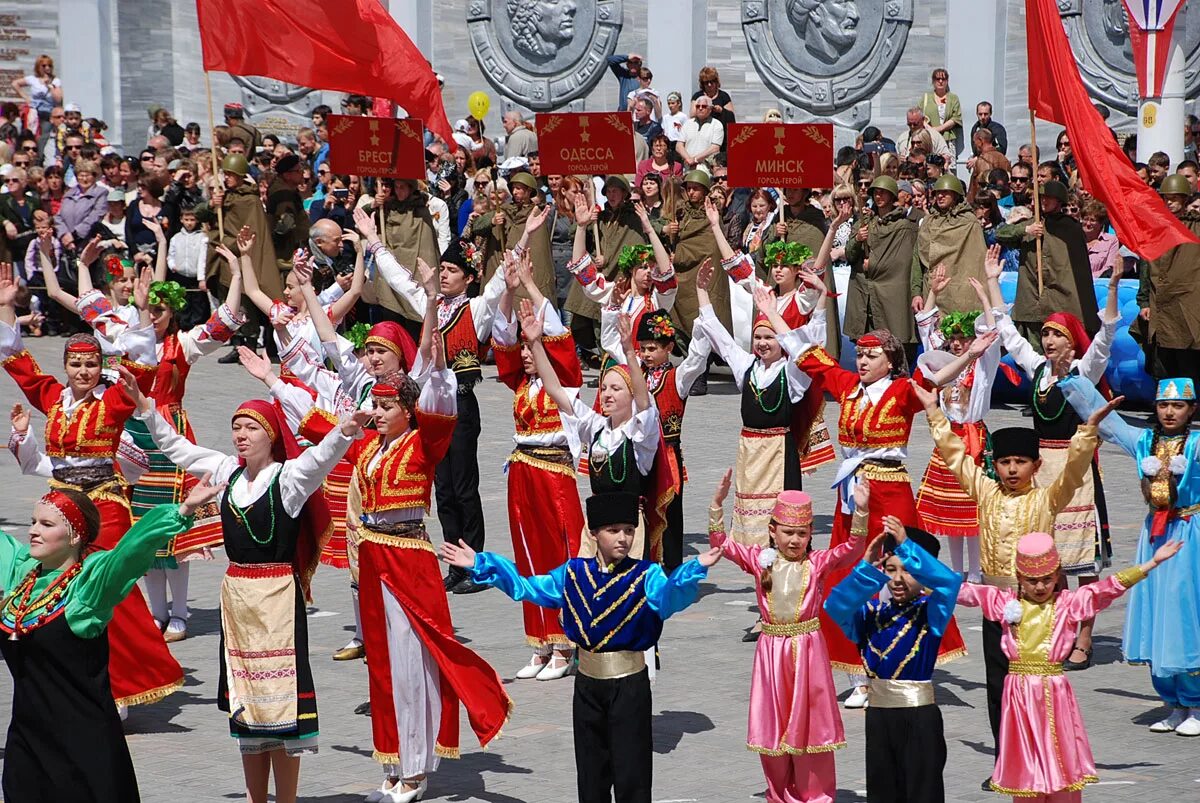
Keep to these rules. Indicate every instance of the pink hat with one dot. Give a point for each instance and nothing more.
(792, 509)
(1036, 555)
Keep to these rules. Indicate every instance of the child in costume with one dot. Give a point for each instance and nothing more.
(1162, 619)
(1045, 756)
(794, 722)
(898, 636)
(942, 507)
(1009, 506)
(1081, 528)
(612, 705)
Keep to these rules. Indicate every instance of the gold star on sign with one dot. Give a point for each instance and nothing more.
(779, 148)
(584, 136)
(375, 140)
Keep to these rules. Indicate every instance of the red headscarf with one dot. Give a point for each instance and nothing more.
(1068, 325)
(316, 524)
(392, 336)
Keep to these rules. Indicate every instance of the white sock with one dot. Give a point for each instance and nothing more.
(178, 579)
(156, 593)
(956, 552)
(972, 556)
(856, 680)
(357, 614)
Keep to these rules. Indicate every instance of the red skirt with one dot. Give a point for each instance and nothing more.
(408, 568)
(140, 667)
(891, 494)
(545, 521)
(337, 486)
(943, 508)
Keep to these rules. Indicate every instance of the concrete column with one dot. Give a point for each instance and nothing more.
(678, 48)
(416, 18)
(976, 34)
(1160, 120)
(85, 60)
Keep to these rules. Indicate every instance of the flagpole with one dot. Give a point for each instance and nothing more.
(1037, 206)
(213, 151)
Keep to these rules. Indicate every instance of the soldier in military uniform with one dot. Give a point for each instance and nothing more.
(507, 224)
(235, 119)
(408, 234)
(951, 236)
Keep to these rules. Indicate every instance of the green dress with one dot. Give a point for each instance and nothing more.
(58, 657)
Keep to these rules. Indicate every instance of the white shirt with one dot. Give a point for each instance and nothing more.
(400, 278)
(584, 426)
(740, 361)
(1091, 365)
(187, 254)
(504, 333)
(697, 138)
(672, 125)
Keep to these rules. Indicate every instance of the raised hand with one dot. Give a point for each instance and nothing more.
(764, 300)
(704, 274)
(895, 528)
(862, 494)
(459, 554)
(129, 383)
(245, 240)
(711, 212)
(256, 365)
(512, 276)
(939, 280)
(531, 324)
(90, 251)
(201, 494)
(625, 330)
(710, 557)
(155, 227)
(585, 213)
(1099, 415)
(19, 418)
(303, 272)
(981, 343)
(8, 285)
(843, 214)
(537, 217)
(365, 223)
(354, 423)
(141, 287)
(226, 254)
(723, 488)
(993, 265)
(428, 277)
(643, 215)
(980, 292)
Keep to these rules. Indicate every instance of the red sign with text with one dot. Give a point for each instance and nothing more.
(586, 143)
(775, 155)
(376, 146)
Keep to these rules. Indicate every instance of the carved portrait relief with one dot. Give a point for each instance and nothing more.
(541, 27)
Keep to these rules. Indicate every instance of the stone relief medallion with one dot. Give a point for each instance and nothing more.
(543, 54)
(1099, 35)
(825, 56)
(275, 107)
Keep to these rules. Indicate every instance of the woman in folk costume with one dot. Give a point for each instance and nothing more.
(274, 519)
(942, 506)
(794, 722)
(544, 515)
(877, 407)
(84, 421)
(418, 671)
(1044, 752)
(163, 482)
(795, 299)
(65, 740)
(1162, 619)
(1081, 529)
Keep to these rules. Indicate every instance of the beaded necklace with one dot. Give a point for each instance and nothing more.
(1039, 397)
(21, 604)
(241, 512)
(758, 394)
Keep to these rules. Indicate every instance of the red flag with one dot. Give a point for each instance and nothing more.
(346, 46)
(1057, 94)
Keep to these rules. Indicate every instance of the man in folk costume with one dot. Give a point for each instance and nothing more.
(1169, 295)
(1066, 272)
(619, 226)
(507, 225)
(408, 234)
(880, 253)
(950, 236)
(240, 204)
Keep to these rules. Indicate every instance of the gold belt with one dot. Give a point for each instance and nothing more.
(887, 693)
(610, 665)
(406, 535)
(791, 628)
(1000, 581)
(1034, 668)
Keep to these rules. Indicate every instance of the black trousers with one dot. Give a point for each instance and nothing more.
(614, 749)
(1178, 362)
(906, 755)
(197, 309)
(672, 545)
(995, 664)
(456, 481)
(584, 331)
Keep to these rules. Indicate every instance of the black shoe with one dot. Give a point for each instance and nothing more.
(468, 586)
(452, 579)
(986, 786)
(230, 358)
(700, 386)
(594, 383)
(363, 708)
(1076, 666)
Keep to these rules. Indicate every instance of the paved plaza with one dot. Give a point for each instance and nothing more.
(182, 750)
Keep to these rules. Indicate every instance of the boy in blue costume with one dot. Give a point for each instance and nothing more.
(613, 609)
(899, 638)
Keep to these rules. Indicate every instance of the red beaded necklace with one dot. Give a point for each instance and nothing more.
(21, 604)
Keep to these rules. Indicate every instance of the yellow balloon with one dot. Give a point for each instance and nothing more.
(479, 103)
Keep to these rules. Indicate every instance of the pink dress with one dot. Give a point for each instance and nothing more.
(1043, 745)
(793, 702)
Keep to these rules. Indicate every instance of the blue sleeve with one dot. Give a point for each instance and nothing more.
(939, 578)
(845, 602)
(1086, 399)
(464, 212)
(616, 64)
(670, 595)
(495, 570)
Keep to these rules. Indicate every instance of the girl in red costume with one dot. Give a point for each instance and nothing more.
(83, 429)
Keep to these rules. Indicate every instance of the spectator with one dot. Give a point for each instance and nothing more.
(1169, 296)
(943, 112)
(873, 140)
(644, 90)
(643, 121)
(41, 90)
(355, 105)
(1025, 155)
(17, 206)
(659, 160)
(10, 122)
(703, 136)
(915, 119)
(949, 236)
(520, 139)
(191, 138)
(312, 150)
(627, 68)
(82, 206)
(52, 198)
(1064, 154)
(675, 120)
(1191, 129)
(722, 104)
(26, 145)
(1189, 170)
(987, 159)
(111, 228)
(1020, 186)
(148, 206)
(1143, 172)
(483, 150)
(235, 119)
(337, 203)
(184, 191)
(1104, 252)
(48, 138)
(320, 115)
(285, 210)
(983, 119)
(187, 256)
(1159, 164)
(1051, 171)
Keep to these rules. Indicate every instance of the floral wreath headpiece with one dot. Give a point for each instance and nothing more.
(168, 294)
(780, 253)
(115, 266)
(634, 257)
(959, 324)
(357, 335)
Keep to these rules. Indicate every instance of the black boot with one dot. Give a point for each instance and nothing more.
(231, 357)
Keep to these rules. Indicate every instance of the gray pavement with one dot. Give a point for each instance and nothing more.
(182, 750)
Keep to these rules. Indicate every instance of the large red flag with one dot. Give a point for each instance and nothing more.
(347, 46)
(1057, 94)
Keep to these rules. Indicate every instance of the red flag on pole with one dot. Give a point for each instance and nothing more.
(1057, 94)
(346, 46)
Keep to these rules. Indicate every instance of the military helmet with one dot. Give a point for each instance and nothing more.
(1056, 190)
(524, 179)
(235, 163)
(1175, 184)
(886, 183)
(949, 182)
(698, 177)
(617, 180)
